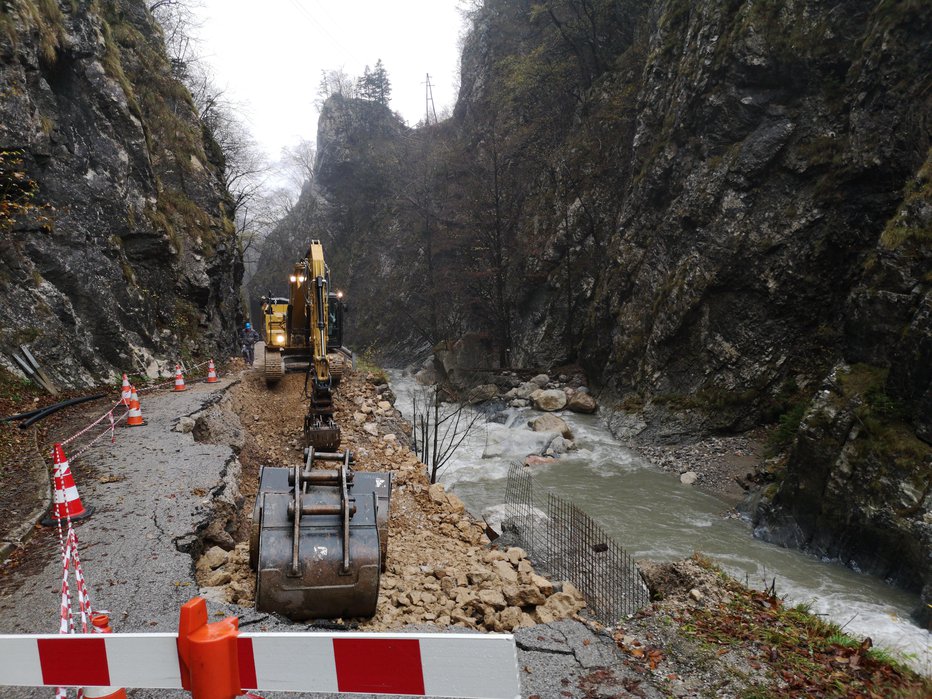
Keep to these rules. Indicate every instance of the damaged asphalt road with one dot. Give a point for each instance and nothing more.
(155, 491)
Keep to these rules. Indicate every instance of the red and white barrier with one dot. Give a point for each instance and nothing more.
(481, 666)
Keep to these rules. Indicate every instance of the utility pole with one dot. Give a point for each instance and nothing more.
(429, 107)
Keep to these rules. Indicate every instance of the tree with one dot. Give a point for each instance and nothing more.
(333, 82)
(375, 85)
(439, 428)
(296, 164)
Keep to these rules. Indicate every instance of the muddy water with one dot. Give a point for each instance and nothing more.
(653, 516)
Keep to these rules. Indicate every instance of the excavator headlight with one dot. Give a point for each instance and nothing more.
(292, 279)
(301, 279)
(279, 339)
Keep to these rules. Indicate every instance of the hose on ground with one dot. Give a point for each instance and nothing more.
(45, 412)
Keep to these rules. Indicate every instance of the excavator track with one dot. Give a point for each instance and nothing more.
(337, 365)
(274, 368)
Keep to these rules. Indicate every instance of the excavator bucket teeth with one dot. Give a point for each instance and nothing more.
(323, 439)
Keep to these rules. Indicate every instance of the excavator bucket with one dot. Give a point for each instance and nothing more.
(325, 564)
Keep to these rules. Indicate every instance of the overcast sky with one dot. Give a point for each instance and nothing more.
(269, 55)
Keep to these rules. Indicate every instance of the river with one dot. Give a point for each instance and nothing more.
(654, 516)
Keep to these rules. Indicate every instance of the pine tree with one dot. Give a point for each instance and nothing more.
(381, 85)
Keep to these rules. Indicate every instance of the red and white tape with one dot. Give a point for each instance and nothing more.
(477, 666)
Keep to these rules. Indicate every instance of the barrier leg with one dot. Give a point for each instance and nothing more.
(207, 653)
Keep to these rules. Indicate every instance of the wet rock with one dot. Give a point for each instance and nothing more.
(582, 402)
(525, 390)
(482, 393)
(550, 423)
(549, 399)
(534, 460)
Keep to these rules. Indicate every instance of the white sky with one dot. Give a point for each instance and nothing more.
(268, 56)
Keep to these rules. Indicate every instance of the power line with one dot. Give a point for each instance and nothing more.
(319, 25)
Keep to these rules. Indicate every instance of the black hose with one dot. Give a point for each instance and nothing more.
(20, 416)
(45, 412)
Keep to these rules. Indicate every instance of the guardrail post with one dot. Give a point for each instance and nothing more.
(208, 653)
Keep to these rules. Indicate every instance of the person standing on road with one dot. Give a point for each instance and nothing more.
(248, 339)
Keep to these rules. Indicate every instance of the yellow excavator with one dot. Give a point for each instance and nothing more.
(305, 332)
(319, 535)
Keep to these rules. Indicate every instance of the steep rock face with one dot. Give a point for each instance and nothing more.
(362, 153)
(131, 259)
(858, 478)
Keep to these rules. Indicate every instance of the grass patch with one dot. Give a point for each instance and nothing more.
(907, 224)
(801, 653)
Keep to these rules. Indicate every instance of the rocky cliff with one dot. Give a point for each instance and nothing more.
(720, 208)
(118, 253)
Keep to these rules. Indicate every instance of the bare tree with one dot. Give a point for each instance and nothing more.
(439, 428)
(296, 164)
(335, 81)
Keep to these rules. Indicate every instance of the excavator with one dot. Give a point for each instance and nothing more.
(305, 332)
(319, 535)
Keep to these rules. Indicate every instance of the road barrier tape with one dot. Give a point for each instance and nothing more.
(111, 429)
(103, 417)
(70, 559)
(439, 665)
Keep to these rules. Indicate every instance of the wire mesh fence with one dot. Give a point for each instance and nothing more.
(568, 544)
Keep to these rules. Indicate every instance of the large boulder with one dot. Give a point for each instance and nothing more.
(540, 380)
(550, 423)
(549, 400)
(525, 390)
(582, 402)
(504, 442)
(482, 393)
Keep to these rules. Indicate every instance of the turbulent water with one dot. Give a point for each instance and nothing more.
(653, 516)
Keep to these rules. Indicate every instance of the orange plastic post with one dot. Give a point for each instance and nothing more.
(209, 666)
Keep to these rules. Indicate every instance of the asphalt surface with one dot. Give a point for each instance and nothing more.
(153, 490)
(134, 548)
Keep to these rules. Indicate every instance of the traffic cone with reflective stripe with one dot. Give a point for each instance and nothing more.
(101, 624)
(66, 503)
(134, 416)
(127, 392)
(211, 372)
(179, 379)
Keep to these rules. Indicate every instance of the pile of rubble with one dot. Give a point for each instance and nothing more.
(441, 568)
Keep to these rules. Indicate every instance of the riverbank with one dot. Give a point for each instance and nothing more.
(720, 466)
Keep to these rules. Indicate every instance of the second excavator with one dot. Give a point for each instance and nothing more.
(305, 332)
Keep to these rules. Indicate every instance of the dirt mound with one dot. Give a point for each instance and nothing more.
(693, 580)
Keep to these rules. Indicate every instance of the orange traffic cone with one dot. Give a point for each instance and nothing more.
(101, 624)
(66, 503)
(134, 416)
(179, 379)
(126, 393)
(211, 372)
